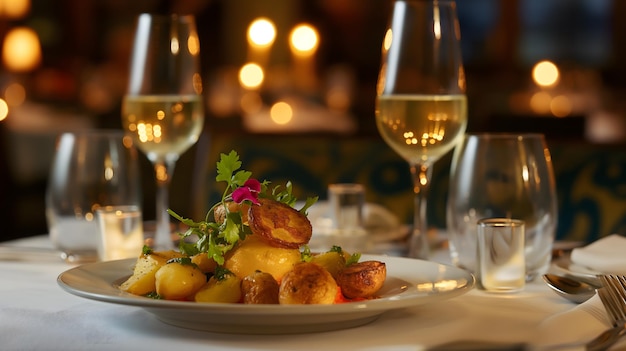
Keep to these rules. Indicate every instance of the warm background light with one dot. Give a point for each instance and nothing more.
(545, 74)
(14, 9)
(4, 110)
(15, 94)
(262, 32)
(540, 102)
(193, 44)
(251, 102)
(304, 39)
(561, 106)
(281, 113)
(21, 51)
(387, 40)
(251, 76)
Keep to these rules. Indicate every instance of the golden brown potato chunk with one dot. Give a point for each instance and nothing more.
(227, 290)
(363, 279)
(307, 283)
(143, 281)
(177, 281)
(254, 254)
(260, 288)
(279, 224)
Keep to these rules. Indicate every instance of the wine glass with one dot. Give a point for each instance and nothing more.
(507, 176)
(162, 109)
(421, 107)
(91, 169)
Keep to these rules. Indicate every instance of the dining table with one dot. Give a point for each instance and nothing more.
(37, 314)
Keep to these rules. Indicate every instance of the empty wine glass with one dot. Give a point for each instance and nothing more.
(421, 107)
(508, 176)
(91, 169)
(162, 109)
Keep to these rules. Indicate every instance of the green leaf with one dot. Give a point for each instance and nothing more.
(185, 261)
(153, 295)
(306, 255)
(188, 249)
(216, 251)
(310, 201)
(354, 258)
(226, 166)
(239, 178)
(336, 248)
(221, 273)
(185, 221)
(230, 232)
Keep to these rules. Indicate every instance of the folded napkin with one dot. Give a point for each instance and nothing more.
(575, 326)
(605, 255)
(375, 217)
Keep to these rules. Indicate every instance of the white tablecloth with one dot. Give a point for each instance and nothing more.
(36, 314)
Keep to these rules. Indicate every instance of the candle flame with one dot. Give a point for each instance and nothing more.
(545, 74)
(261, 32)
(304, 40)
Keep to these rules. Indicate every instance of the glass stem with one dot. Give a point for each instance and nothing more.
(418, 243)
(163, 235)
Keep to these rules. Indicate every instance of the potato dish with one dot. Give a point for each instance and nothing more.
(254, 251)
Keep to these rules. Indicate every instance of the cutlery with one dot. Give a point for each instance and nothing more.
(570, 288)
(613, 297)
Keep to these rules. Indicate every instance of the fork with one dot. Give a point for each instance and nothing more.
(613, 297)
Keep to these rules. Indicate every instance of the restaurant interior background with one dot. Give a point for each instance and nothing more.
(64, 67)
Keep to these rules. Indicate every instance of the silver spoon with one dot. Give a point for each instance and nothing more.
(570, 288)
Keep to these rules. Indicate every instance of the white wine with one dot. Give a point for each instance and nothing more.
(421, 128)
(163, 126)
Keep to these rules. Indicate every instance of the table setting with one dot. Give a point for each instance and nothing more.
(475, 285)
(37, 314)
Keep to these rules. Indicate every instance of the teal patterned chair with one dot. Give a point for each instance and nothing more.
(591, 186)
(591, 179)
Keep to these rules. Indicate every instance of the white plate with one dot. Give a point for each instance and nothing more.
(409, 283)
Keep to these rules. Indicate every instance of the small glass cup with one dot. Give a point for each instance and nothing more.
(501, 263)
(121, 232)
(346, 203)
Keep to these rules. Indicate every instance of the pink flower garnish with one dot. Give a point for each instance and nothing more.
(249, 191)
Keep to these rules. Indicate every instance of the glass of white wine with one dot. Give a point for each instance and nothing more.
(421, 106)
(163, 109)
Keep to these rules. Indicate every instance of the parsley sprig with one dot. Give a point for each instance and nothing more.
(216, 239)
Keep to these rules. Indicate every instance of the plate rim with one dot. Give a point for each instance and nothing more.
(407, 298)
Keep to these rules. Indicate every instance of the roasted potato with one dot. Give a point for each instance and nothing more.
(254, 254)
(332, 261)
(362, 279)
(259, 288)
(227, 290)
(142, 281)
(204, 262)
(220, 212)
(307, 283)
(279, 224)
(177, 281)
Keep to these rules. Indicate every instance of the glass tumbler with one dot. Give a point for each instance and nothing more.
(504, 176)
(90, 169)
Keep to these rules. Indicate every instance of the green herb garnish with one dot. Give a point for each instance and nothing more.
(216, 239)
